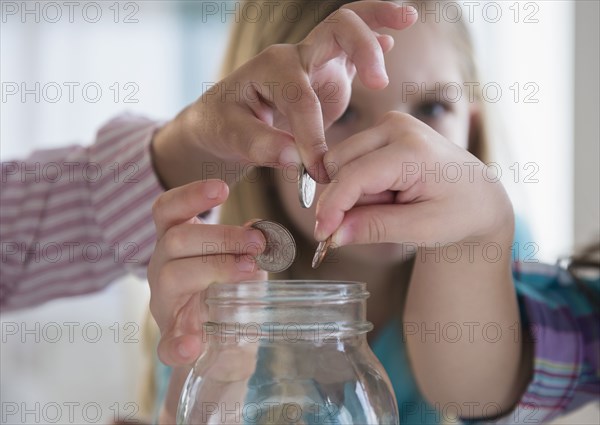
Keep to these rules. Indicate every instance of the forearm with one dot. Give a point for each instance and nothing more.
(460, 320)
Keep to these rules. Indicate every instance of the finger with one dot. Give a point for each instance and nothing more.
(379, 14)
(385, 41)
(192, 240)
(387, 197)
(373, 173)
(265, 145)
(183, 203)
(360, 44)
(182, 342)
(299, 104)
(373, 224)
(325, 42)
(181, 278)
(354, 147)
(306, 122)
(180, 282)
(179, 351)
(346, 34)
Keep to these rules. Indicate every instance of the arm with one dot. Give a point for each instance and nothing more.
(383, 191)
(80, 219)
(481, 368)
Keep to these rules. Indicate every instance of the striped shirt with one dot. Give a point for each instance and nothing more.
(565, 326)
(74, 219)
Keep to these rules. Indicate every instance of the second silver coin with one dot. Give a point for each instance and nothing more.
(306, 188)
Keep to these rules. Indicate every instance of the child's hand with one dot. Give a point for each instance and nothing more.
(190, 255)
(273, 110)
(401, 181)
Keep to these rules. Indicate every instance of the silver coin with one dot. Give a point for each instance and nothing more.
(306, 188)
(321, 252)
(280, 251)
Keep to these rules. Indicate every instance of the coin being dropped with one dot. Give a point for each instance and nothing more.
(306, 188)
(321, 252)
(280, 251)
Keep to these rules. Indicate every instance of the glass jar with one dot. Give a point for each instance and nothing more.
(287, 352)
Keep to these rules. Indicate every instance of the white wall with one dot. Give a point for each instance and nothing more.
(531, 45)
(587, 127)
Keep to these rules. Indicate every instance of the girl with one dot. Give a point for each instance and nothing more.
(384, 202)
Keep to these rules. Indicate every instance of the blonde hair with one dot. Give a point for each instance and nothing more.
(259, 198)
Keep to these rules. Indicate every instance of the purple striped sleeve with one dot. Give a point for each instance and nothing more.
(74, 219)
(564, 326)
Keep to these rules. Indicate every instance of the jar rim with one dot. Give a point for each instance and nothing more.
(283, 291)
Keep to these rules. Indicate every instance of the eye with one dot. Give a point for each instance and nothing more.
(349, 115)
(431, 110)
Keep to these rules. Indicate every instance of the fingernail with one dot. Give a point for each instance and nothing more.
(255, 242)
(255, 237)
(381, 70)
(183, 352)
(289, 155)
(318, 231)
(410, 10)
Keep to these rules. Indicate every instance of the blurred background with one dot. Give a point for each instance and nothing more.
(538, 58)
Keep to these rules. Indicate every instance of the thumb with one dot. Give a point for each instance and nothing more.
(179, 350)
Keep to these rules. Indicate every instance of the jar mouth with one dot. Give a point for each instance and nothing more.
(270, 292)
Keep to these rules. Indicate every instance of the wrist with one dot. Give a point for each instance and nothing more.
(180, 154)
(171, 153)
(497, 221)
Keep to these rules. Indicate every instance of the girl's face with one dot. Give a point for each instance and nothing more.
(423, 68)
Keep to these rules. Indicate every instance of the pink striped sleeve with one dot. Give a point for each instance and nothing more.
(74, 219)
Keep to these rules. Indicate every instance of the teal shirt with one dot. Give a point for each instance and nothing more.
(390, 349)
